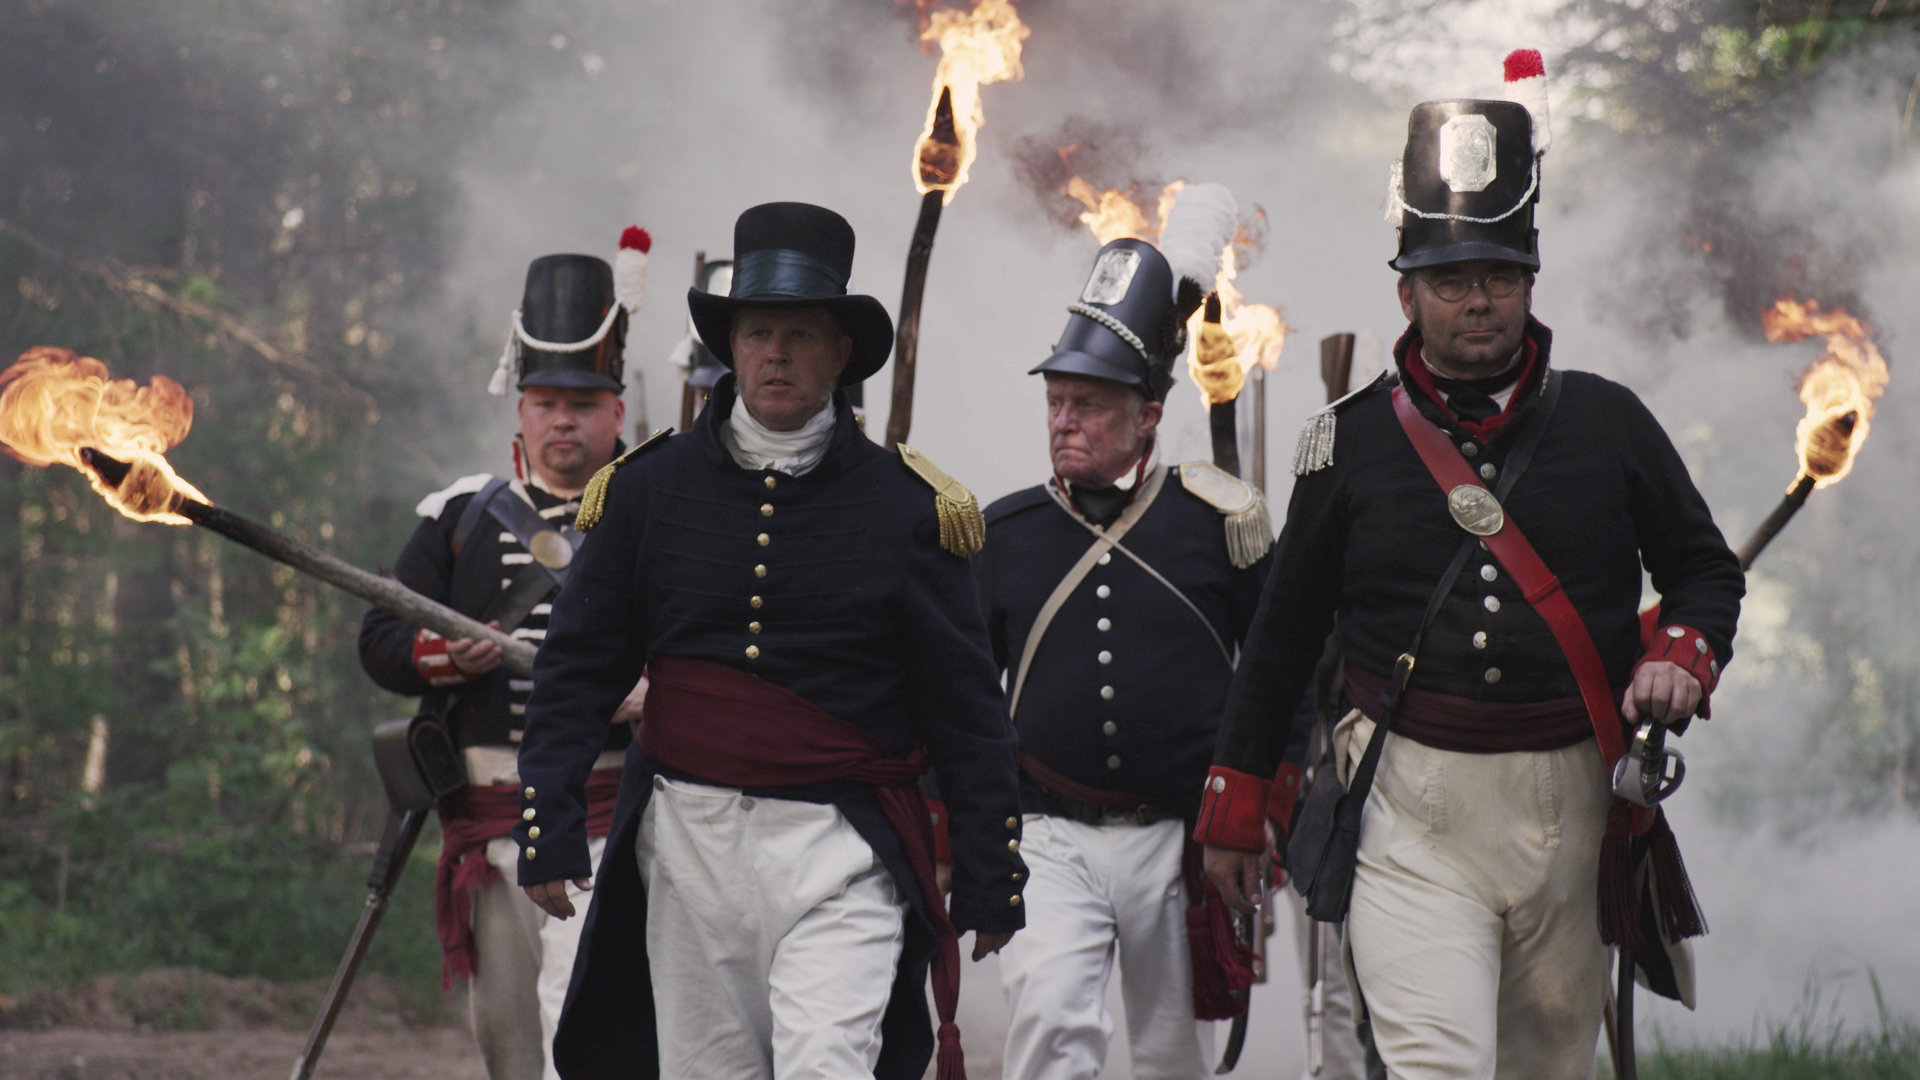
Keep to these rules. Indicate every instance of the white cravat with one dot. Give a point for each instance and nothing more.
(756, 446)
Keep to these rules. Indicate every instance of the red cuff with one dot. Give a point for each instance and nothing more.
(430, 659)
(1233, 810)
(1687, 647)
(1285, 791)
(942, 847)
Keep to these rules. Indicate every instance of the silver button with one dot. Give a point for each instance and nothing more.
(1109, 728)
(1676, 632)
(1470, 449)
(1488, 573)
(659, 783)
(1103, 592)
(1218, 784)
(1492, 603)
(1106, 657)
(1488, 472)
(1113, 762)
(1106, 557)
(1106, 692)
(1714, 667)
(1479, 639)
(1492, 675)
(746, 804)
(1104, 624)
(1700, 644)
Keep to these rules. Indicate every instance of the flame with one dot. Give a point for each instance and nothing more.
(977, 47)
(56, 403)
(1839, 389)
(1224, 352)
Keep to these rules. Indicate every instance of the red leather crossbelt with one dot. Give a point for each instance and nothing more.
(1537, 583)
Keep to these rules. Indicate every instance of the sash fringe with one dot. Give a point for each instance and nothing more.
(1678, 908)
(1618, 922)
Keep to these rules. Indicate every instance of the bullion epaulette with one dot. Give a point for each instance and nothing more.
(1314, 450)
(963, 529)
(1249, 528)
(593, 501)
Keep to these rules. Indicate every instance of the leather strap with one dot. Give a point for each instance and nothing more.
(1105, 540)
(1516, 555)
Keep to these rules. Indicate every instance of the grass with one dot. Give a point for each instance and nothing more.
(1805, 1047)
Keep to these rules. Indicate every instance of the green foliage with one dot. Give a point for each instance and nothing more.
(1808, 1046)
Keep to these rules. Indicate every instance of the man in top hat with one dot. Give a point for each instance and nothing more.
(1432, 512)
(498, 548)
(803, 604)
(1117, 594)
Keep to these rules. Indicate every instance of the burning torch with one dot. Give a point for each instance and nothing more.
(1839, 391)
(977, 47)
(61, 408)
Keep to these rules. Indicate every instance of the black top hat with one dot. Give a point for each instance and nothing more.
(1467, 185)
(795, 255)
(703, 367)
(569, 299)
(1124, 324)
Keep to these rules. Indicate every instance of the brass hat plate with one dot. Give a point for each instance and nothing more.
(1476, 510)
(552, 551)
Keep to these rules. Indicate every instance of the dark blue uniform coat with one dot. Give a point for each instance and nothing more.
(832, 585)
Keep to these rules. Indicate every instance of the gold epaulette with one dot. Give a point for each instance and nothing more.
(963, 529)
(593, 501)
(1249, 528)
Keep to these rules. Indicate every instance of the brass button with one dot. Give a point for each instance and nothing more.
(1016, 875)
(763, 539)
(760, 570)
(530, 854)
(753, 627)
(766, 509)
(1014, 900)
(756, 602)
(533, 832)
(769, 481)
(753, 652)
(527, 814)
(528, 793)
(1013, 846)
(1013, 823)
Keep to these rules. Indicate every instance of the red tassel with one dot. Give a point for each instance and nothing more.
(1222, 964)
(1679, 909)
(1619, 924)
(1524, 64)
(637, 237)
(948, 1062)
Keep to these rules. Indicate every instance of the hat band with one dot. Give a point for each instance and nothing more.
(784, 272)
(1120, 330)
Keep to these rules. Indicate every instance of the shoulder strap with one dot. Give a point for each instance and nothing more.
(470, 517)
(1104, 540)
(1537, 583)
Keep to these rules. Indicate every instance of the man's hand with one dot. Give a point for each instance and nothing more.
(474, 656)
(551, 896)
(943, 876)
(1274, 853)
(1663, 691)
(985, 943)
(631, 709)
(1236, 874)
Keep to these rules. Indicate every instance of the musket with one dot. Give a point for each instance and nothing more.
(418, 767)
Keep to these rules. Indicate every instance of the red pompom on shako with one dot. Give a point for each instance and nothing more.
(639, 239)
(1524, 64)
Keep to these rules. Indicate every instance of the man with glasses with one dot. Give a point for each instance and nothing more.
(1493, 862)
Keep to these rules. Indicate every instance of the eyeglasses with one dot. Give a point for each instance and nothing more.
(1454, 288)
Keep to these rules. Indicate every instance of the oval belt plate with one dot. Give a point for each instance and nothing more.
(1475, 509)
(552, 551)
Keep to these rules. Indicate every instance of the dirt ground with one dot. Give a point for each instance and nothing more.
(187, 1025)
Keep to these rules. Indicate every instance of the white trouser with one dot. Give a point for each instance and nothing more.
(1091, 888)
(774, 934)
(1341, 1057)
(1474, 917)
(524, 960)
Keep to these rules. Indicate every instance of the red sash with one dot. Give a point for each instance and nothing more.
(473, 816)
(1619, 923)
(722, 724)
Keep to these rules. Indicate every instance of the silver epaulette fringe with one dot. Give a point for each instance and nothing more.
(1249, 533)
(1314, 451)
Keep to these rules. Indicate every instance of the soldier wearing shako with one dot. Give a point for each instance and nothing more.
(804, 606)
(497, 548)
(1479, 520)
(1117, 594)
